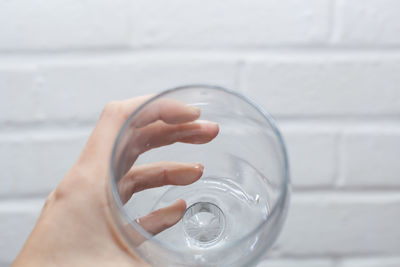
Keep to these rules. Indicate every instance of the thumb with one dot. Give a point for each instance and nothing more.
(161, 219)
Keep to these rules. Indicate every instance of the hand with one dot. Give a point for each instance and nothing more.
(74, 228)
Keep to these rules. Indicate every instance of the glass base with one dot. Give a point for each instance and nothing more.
(203, 223)
(218, 213)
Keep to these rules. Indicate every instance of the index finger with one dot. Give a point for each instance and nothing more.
(114, 115)
(168, 110)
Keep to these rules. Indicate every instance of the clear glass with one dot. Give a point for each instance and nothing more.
(235, 211)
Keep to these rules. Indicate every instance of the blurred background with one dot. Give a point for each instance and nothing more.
(328, 71)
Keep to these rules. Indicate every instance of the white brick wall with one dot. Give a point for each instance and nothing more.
(368, 22)
(378, 169)
(325, 85)
(328, 70)
(345, 223)
(229, 23)
(312, 155)
(33, 162)
(17, 218)
(65, 24)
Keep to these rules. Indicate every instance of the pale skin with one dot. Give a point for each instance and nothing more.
(75, 227)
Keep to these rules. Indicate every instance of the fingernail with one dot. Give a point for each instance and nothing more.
(182, 200)
(199, 166)
(210, 123)
(194, 110)
(214, 124)
(178, 213)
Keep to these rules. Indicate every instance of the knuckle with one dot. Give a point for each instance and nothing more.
(165, 175)
(165, 224)
(71, 184)
(55, 196)
(115, 110)
(111, 108)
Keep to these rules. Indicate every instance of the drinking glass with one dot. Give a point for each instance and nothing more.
(235, 211)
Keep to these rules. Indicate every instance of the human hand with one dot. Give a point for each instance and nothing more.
(75, 225)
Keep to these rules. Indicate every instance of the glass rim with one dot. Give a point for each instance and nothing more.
(283, 190)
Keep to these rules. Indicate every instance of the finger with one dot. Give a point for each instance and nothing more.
(161, 134)
(165, 112)
(161, 219)
(168, 110)
(101, 140)
(158, 174)
(99, 145)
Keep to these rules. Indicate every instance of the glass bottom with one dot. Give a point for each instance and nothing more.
(203, 223)
(219, 212)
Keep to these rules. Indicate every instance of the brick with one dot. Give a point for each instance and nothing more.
(79, 90)
(227, 23)
(67, 24)
(337, 262)
(370, 22)
(18, 96)
(297, 262)
(322, 86)
(17, 219)
(34, 164)
(312, 156)
(371, 158)
(372, 262)
(345, 224)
